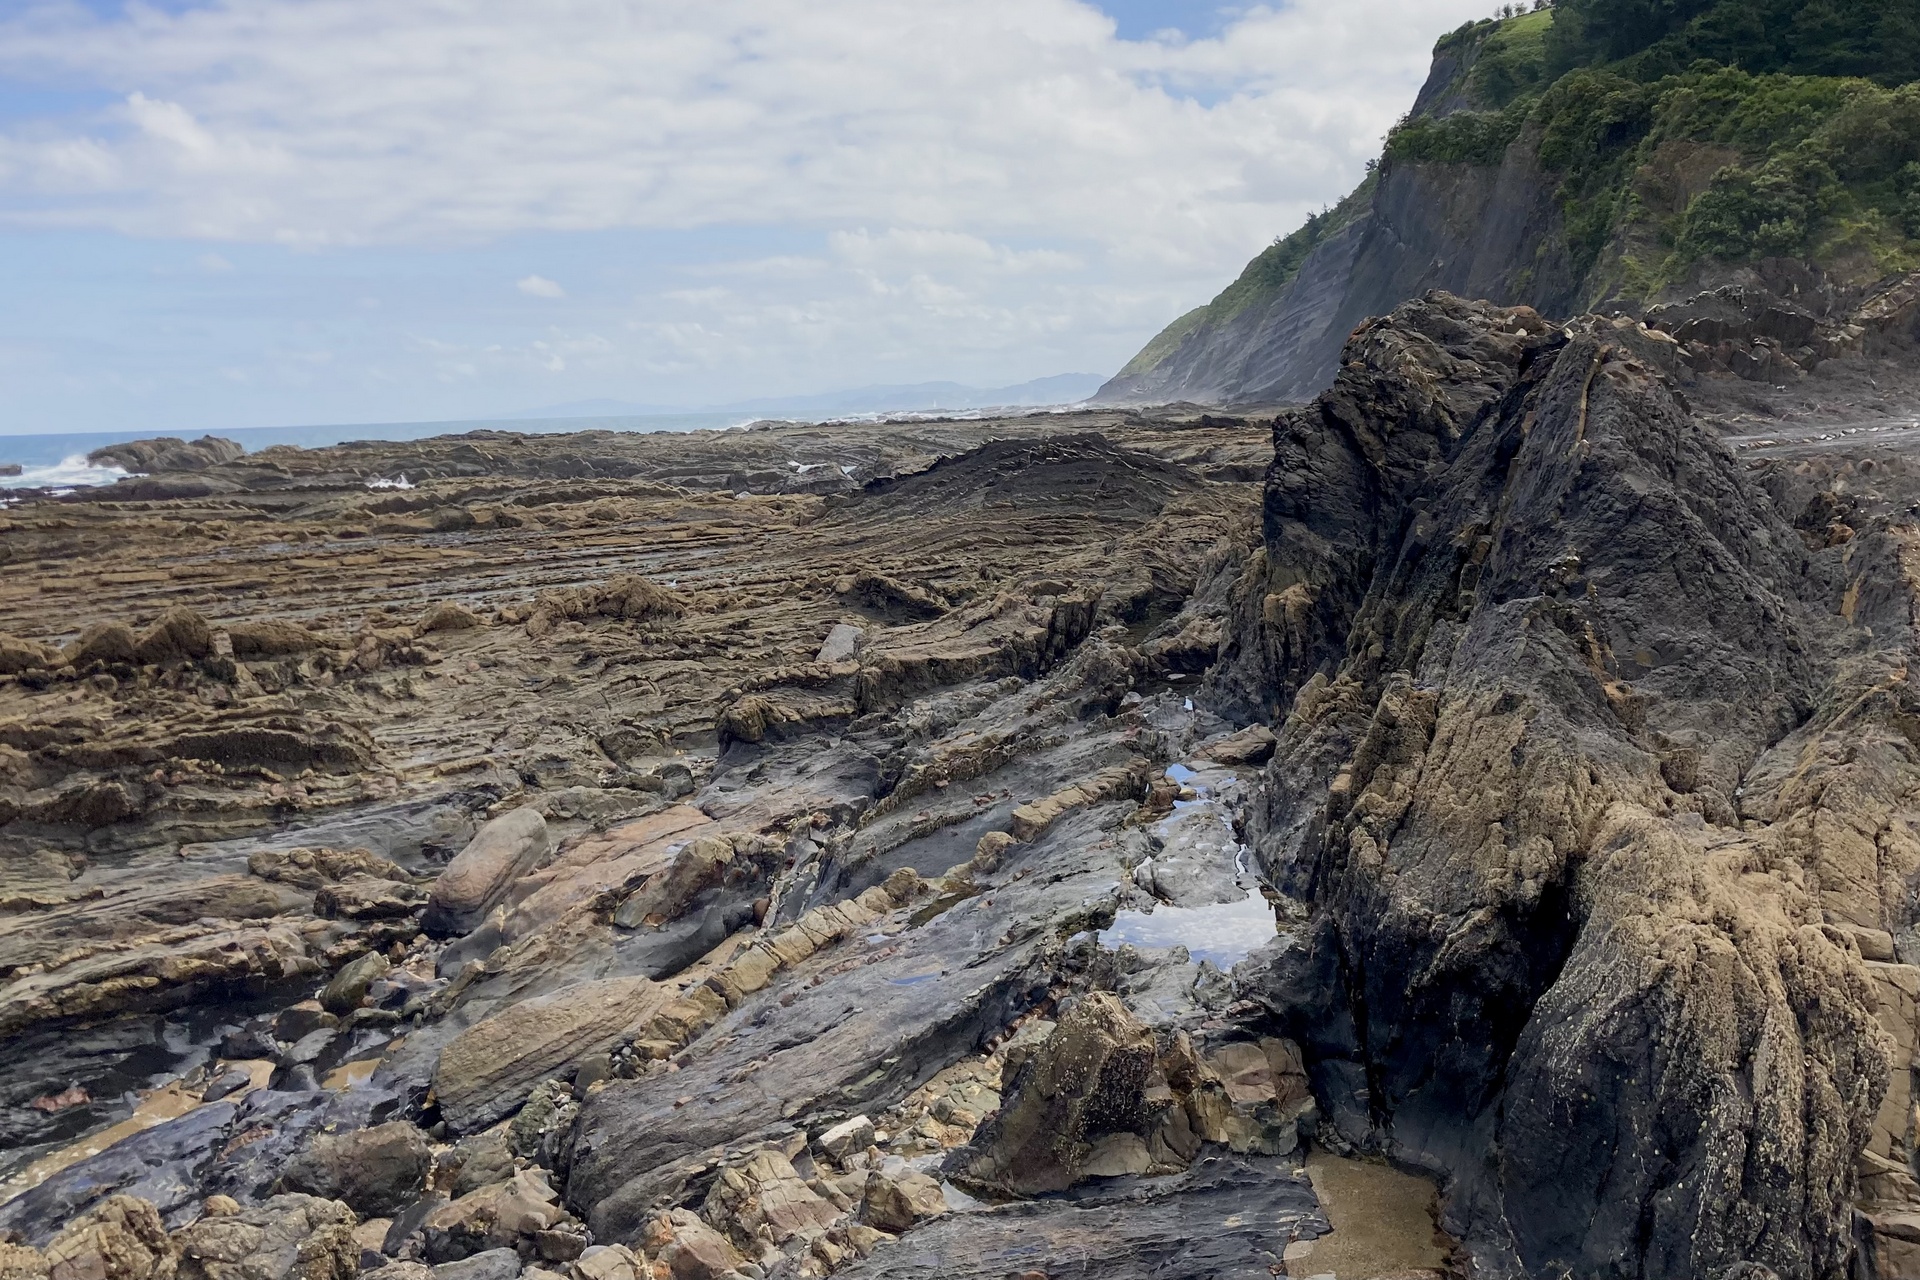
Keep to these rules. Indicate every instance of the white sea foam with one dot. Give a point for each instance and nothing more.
(69, 473)
(381, 482)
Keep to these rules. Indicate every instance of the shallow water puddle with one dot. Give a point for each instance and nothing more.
(1223, 933)
(1199, 833)
(169, 1102)
(1383, 1223)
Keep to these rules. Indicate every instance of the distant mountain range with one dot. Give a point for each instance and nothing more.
(1064, 388)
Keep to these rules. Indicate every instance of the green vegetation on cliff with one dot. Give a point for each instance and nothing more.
(1274, 269)
(1667, 145)
(1869, 39)
(1732, 158)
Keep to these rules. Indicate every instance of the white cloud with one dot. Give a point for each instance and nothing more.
(354, 121)
(800, 195)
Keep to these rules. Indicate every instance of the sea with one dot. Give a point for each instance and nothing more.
(60, 461)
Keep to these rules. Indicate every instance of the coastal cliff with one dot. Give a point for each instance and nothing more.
(1558, 162)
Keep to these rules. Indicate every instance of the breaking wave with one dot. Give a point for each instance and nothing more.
(69, 473)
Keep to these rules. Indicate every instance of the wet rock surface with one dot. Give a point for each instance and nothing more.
(1003, 848)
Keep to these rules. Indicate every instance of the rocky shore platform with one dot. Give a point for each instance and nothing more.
(1464, 826)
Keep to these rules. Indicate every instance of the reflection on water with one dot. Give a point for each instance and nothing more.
(1202, 830)
(1223, 933)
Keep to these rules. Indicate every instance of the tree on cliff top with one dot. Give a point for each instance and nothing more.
(1874, 39)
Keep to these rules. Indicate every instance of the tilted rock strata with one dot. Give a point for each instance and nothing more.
(1557, 680)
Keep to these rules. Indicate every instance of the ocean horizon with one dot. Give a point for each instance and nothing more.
(60, 458)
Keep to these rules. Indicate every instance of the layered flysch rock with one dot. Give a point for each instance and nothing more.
(1592, 768)
(605, 879)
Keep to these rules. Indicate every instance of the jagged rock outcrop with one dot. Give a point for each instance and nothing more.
(168, 453)
(1580, 771)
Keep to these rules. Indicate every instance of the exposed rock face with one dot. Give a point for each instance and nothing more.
(1505, 219)
(1557, 679)
(167, 453)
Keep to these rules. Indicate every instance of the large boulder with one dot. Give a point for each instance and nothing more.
(270, 638)
(122, 1239)
(476, 880)
(104, 642)
(181, 635)
(1087, 1082)
(489, 1069)
(376, 1172)
(290, 1237)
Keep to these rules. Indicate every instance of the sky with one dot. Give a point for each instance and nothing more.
(232, 213)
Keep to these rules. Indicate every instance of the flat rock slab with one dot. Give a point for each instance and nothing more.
(1229, 1218)
(488, 1070)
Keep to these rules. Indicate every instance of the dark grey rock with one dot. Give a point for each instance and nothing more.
(494, 1264)
(1490, 534)
(377, 1172)
(165, 1165)
(225, 1083)
(1229, 1217)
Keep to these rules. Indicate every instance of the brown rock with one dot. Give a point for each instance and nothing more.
(103, 642)
(298, 1021)
(765, 1195)
(123, 1239)
(491, 1067)
(1086, 1081)
(18, 1262)
(628, 597)
(665, 896)
(368, 898)
(17, 655)
(606, 1262)
(476, 1162)
(181, 635)
(348, 989)
(1252, 745)
(495, 1217)
(690, 1249)
(991, 852)
(312, 868)
(449, 615)
(501, 852)
(271, 639)
(899, 1202)
(290, 1237)
(1029, 820)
